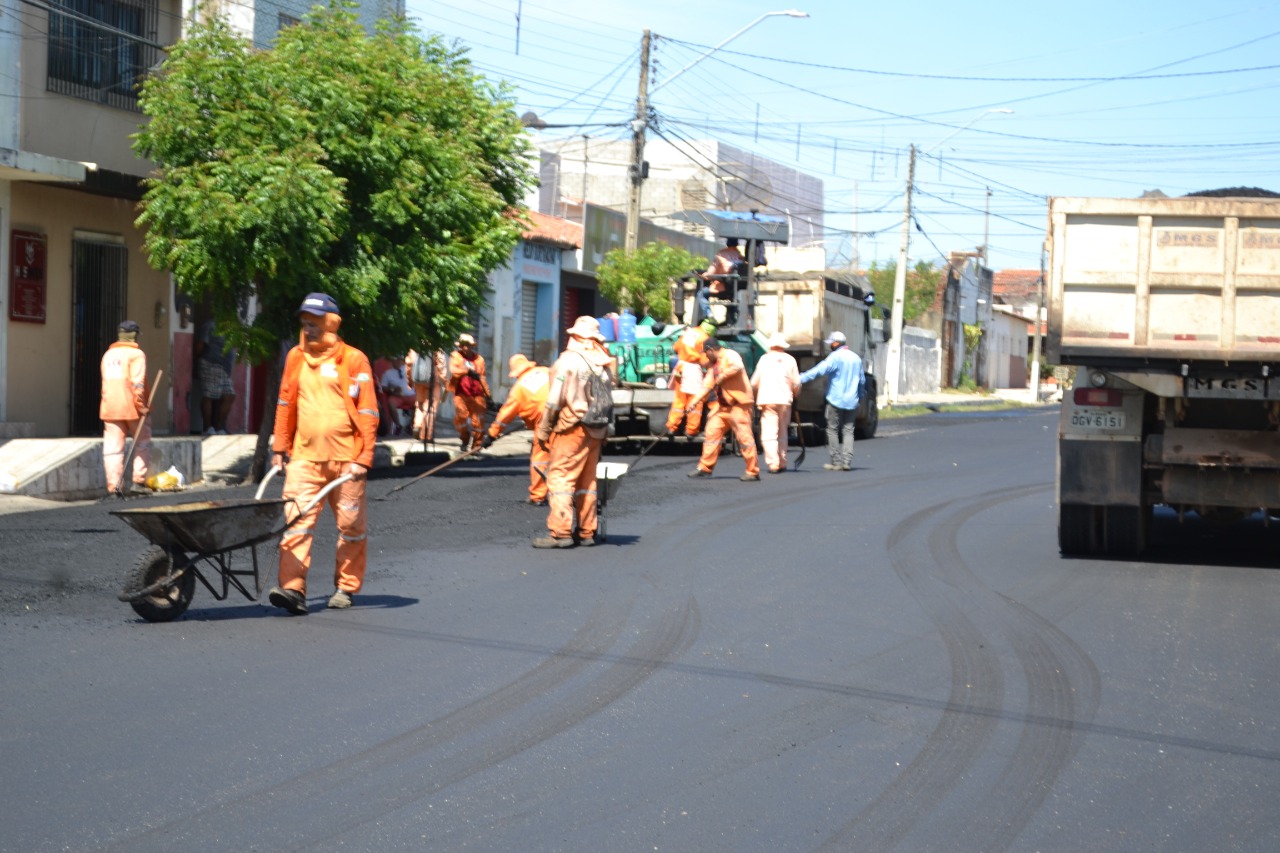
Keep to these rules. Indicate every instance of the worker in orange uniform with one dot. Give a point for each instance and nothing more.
(428, 373)
(776, 382)
(687, 378)
(526, 401)
(124, 403)
(573, 430)
(326, 426)
(471, 393)
(732, 406)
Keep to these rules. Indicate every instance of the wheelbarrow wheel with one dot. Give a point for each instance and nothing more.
(168, 602)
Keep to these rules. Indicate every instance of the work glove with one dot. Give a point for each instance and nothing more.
(488, 440)
(490, 405)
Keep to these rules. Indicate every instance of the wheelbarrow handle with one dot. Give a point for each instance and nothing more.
(329, 487)
(275, 469)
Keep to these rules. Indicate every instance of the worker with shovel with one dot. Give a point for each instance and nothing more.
(471, 395)
(732, 407)
(326, 427)
(124, 409)
(526, 401)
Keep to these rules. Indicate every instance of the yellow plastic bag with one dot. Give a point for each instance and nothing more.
(166, 481)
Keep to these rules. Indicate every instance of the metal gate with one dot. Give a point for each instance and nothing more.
(528, 319)
(99, 274)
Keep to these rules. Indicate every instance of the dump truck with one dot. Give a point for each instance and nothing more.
(805, 307)
(1169, 311)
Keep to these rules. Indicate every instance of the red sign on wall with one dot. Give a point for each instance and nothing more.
(28, 295)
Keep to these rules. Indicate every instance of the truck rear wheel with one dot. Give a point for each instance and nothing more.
(1076, 530)
(866, 428)
(1124, 531)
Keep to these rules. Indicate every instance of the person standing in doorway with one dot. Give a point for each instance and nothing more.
(124, 404)
(845, 387)
(471, 393)
(776, 382)
(326, 427)
(217, 393)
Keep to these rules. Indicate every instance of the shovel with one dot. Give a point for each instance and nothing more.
(126, 480)
(472, 452)
(795, 418)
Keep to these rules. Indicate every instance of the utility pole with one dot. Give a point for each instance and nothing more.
(986, 228)
(1035, 344)
(893, 366)
(637, 168)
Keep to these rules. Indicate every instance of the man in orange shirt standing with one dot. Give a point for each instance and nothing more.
(569, 431)
(326, 426)
(525, 401)
(731, 409)
(471, 393)
(124, 402)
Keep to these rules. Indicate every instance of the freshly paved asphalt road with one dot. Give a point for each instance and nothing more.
(894, 658)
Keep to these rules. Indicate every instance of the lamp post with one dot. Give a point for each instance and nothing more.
(641, 121)
(893, 363)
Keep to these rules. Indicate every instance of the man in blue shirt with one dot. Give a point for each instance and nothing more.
(844, 389)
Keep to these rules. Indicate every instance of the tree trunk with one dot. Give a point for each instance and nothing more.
(262, 451)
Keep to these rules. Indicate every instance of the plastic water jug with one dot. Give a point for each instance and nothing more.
(627, 327)
(607, 328)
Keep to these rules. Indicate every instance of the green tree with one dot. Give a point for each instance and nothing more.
(641, 280)
(380, 169)
(922, 287)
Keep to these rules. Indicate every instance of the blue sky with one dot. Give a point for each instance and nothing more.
(1107, 99)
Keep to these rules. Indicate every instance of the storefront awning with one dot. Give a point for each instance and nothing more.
(18, 165)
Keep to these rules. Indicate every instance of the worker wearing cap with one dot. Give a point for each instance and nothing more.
(687, 378)
(326, 426)
(845, 387)
(732, 406)
(470, 391)
(526, 401)
(776, 382)
(574, 446)
(123, 405)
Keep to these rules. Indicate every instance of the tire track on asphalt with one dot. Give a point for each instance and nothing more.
(1063, 689)
(390, 774)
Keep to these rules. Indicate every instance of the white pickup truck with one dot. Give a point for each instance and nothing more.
(1170, 310)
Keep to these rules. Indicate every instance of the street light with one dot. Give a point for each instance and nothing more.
(641, 121)
(790, 13)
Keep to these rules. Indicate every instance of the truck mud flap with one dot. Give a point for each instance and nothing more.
(1101, 473)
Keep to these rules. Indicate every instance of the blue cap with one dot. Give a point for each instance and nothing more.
(319, 303)
(129, 326)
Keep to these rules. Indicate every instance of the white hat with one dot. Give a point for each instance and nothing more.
(586, 327)
(836, 338)
(778, 341)
(464, 338)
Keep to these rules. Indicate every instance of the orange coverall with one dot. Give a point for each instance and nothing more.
(326, 417)
(526, 400)
(427, 395)
(124, 401)
(468, 409)
(575, 449)
(687, 380)
(731, 409)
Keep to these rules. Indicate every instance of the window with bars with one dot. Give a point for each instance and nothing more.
(100, 50)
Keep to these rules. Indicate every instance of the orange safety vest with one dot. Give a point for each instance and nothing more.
(361, 400)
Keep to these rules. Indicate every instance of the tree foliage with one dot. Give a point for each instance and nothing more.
(641, 280)
(922, 287)
(380, 169)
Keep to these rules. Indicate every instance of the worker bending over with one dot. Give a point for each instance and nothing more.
(526, 401)
(687, 378)
(732, 406)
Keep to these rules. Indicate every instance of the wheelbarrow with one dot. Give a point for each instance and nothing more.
(608, 478)
(196, 541)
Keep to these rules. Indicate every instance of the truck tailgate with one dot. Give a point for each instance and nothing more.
(1169, 278)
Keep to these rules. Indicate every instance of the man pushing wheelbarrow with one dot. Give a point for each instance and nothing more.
(326, 427)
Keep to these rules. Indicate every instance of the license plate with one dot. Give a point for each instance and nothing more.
(1098, 420)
